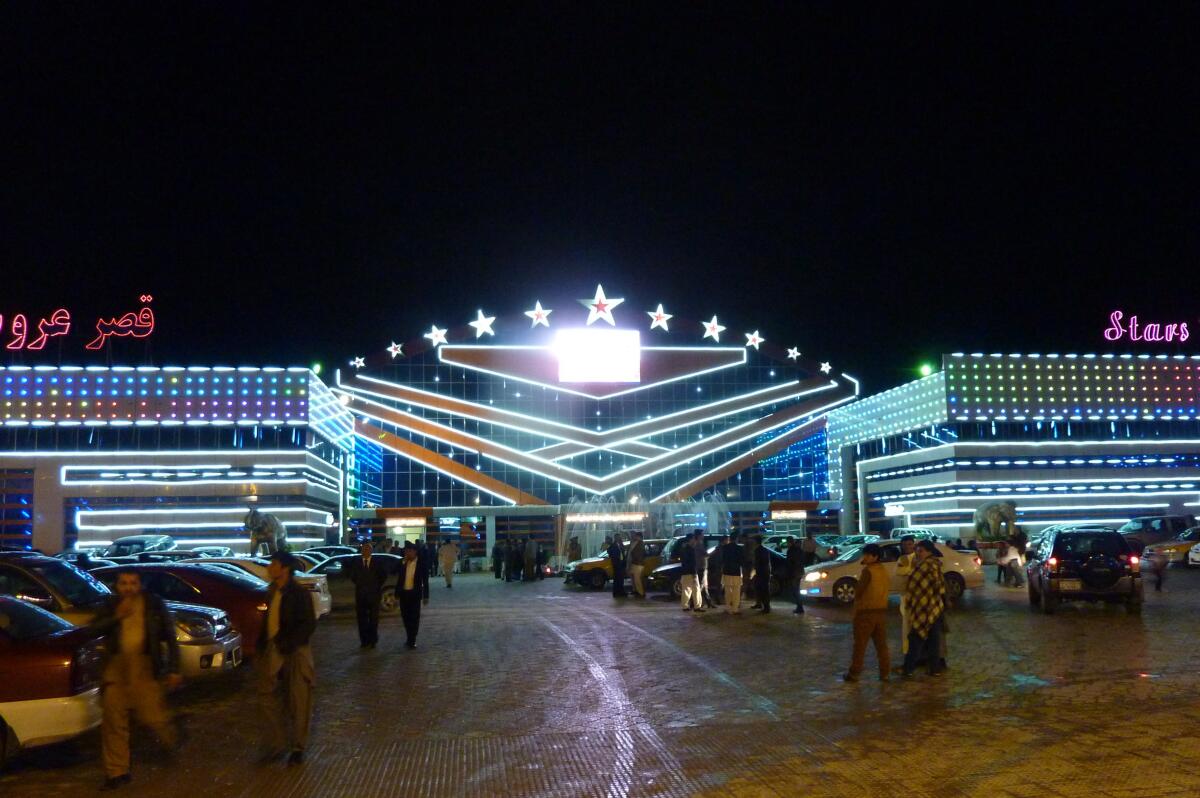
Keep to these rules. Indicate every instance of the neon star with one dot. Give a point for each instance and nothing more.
(358, 362)
(793, 353)
(435, 335)
(601, 307)
(658, 318)
(395, 349)
(754, 339)
(482, 324)
(712, 329)
(539, 315)
(826, 368)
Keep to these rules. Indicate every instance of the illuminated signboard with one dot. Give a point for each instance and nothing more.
(25, 336)
(592, 355)
(1120, 328)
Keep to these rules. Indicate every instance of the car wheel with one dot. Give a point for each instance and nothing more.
(1048, 603)
(677, 588)
(844, 590)
(954, 587)
(389, 602)
(597, 579)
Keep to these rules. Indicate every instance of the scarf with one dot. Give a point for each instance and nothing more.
(926, 596)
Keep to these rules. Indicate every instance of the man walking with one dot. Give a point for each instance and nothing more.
(141, 654)
(925, 597)
(730, 555)
(795, 564)
(616, 556)
(762, 575)
(412, 590)
(712, 577)
(531, 552)
(284, 662)
(368, 574)
(637, 560)
(447, 557)
(870, 615)
(692, 563)
(497, 559)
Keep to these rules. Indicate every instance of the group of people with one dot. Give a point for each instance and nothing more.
(369, 575)
(517, 561)
(1010, 560)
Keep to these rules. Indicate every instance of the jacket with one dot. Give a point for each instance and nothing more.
(296, 619)
(420, 580)
(762, 564)
(616, 554)
(368, 583)
(161, 645)
(731, 559)
(873, 588)
(795, 561)
(637, 553)
(687, 560)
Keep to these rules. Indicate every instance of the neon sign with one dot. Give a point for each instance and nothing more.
(1118, 329)
(22, 336)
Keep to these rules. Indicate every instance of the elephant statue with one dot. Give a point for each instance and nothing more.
(990, 517)
(265, 528)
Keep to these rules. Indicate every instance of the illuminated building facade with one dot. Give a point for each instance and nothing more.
(1096, 438)
(88, 454)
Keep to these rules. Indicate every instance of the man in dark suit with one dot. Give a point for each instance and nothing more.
(762, 574)
(412, 590)
(368, 575)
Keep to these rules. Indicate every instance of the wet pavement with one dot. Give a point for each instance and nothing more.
(540, 690)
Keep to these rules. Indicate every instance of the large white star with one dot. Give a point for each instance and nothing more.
(793, 353)
(754, 339)
(712, 329)
(539, 315)
(482, 324)
(395, 349)
(658, 318)
(435, 335)
(601, 307)
(826, 368)
(357, 362)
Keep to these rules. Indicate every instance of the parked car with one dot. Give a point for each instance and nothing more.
(838, 579)
(49, 678)
(1152, 529)
(208, 645)
(918, 532)
(212, 551)
(310, 559)
(136, 544)
(333, 551)
(669, 577)
(834, 545)
(242, 596)
(1176, 550)
(341, 589)
(1084, 565)
(597, 571)
(317, 585)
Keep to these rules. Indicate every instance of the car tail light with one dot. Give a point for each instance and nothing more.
(262, 607)
(1135, 563)
(1052, 562)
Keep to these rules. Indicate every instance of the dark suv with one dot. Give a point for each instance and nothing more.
(1084, 564)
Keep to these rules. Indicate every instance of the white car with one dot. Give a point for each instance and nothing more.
(316, 584)
(838, 579)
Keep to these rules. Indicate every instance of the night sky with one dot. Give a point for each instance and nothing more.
(296, 186)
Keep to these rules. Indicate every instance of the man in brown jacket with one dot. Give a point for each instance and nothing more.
(870, 615)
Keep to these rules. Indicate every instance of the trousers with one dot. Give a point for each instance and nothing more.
(367, 610)
(870, 626)
(130, 686)
(285, 687)
(690, 592)
(733, 592)
(410, 611)
(927, 648)
(635, 577)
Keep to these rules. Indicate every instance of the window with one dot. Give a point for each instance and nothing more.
(170, 587)
(889, 553)
(15, 583)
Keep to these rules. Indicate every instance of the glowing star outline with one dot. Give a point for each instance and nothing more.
(712, 329)
(436, 336)
(395, 349)
(754, 339)
(826, 368)
(539, 315)
(482, 324)
(659, 318)
(793, 353)
(601, 307)
(357, 362)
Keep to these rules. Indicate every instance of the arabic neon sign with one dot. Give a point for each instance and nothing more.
(25, 337)
(1119, 328)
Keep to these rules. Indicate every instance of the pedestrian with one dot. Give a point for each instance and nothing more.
(731, 574)
(531, 554)
(1002, 574)
(574, 550)
(616, 557)
(368, 574)
(412, 590)
(284, 662)
(604, 546)
(141, 657)
(497, 559)
(516, 560)
(637, 559)
(447, 557)
(543, 559)
(925, 595)
(692, 563)
(1158, 564)
(904, 566)
(427, 554)
(748, 569)
(762, 575)
(1016, 563)
(713, 589)
(870, 615)
(795, 564)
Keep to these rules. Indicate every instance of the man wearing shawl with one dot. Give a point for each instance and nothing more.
(925, 601)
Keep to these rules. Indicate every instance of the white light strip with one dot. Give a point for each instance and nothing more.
(164, 453)
(178, 525)
(1084, 506)
(220, 541)
(1037, 523)
(197, 511)
(599, 518)
(990, 497)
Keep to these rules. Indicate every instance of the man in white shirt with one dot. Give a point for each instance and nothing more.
(412, 590)
(447, 557)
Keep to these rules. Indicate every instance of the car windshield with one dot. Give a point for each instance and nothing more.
(850, 555)
(78, 587)
(1088, 543)
(239, 577)
(1191, 534)
(21, 621)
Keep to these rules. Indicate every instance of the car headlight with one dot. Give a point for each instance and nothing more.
(194, 628)
(816, 576)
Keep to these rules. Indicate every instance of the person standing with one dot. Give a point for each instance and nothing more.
(141, 656)
(904, 566)
(762, 575)
(712, 578)
(637, 560)
(531, 553)
(616, 556)
(497, 559)
(870, 615)
(368, 574)
(689, 579)
(795, 563)
(412, 590)
(730, 555)
(574, 550)
(925, 596)
(447, 557)
(748, 569)
(284, 662)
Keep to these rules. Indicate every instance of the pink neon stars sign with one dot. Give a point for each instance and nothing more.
(1120, 328)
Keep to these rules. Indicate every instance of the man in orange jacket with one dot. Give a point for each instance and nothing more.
(870, 615)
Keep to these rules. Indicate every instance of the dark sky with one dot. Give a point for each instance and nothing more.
(877, 187)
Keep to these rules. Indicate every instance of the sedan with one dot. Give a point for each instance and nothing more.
(838, 579)
(317, 585)
(332, 551)
(49, 678)
(1177, 550)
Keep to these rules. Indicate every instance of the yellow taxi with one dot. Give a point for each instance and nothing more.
(596, 571)
(1176, 549)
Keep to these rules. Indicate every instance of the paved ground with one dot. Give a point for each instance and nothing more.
(537, 690)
